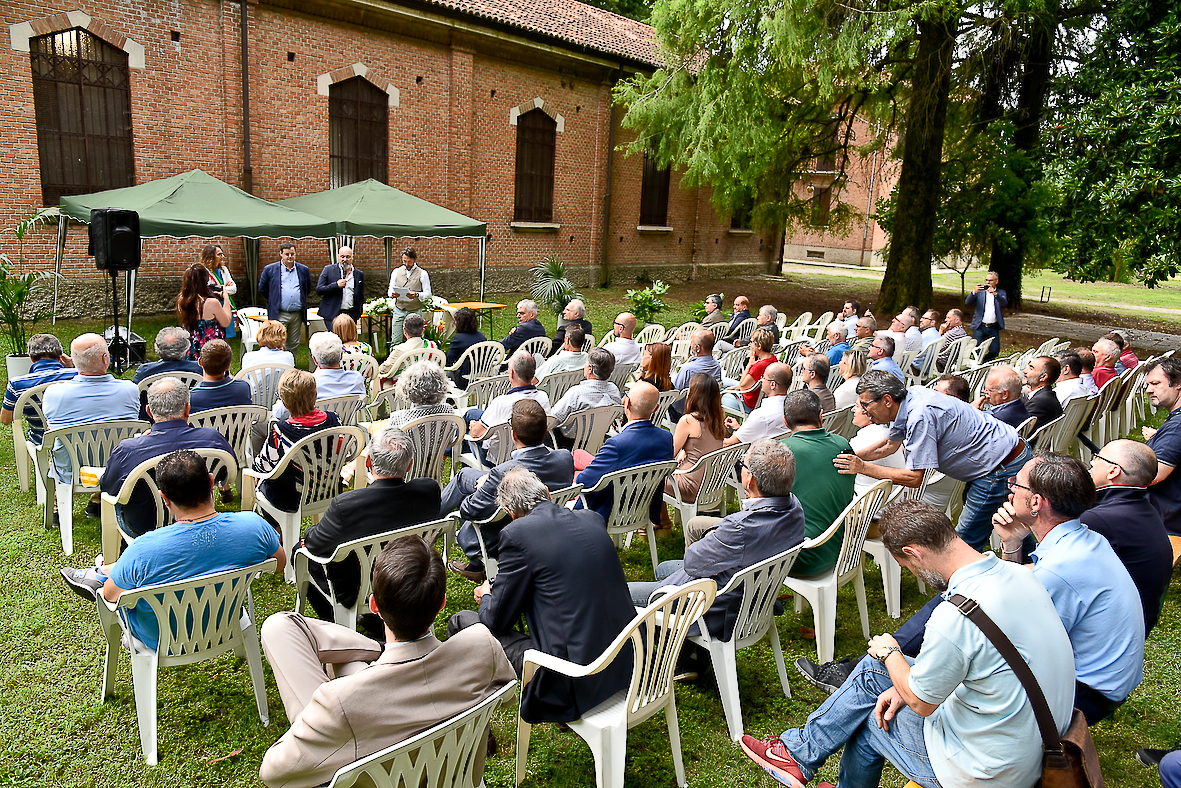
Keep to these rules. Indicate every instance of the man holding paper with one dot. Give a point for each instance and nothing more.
(408, 285)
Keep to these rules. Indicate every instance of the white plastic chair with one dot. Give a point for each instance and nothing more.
(556, 384)
(264, 382)
(87, 445)
(484, 358)
(664, 402)
(217, 461)
(360, 362)
(25, 450)
(444, 756)
(498, 447)
(234, 424)
(821, 590)
(481, 392)
(190, 379)
(653, 332)
(632, 490)
(682, 332)
(365, 552)
(655, 649)
(536, 345)
(876, 548)
(590, 426)
(218, 617)
(840, 422)
(321, 457)
(347, 407)
(622, 375)
(760, 585)
(719, 466)
(431, 437)
(734, 363)
(249, 328)
(742, 331)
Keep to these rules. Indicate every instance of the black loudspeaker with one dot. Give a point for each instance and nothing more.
(114, 239)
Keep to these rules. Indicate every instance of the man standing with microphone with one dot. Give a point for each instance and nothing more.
(341, 288)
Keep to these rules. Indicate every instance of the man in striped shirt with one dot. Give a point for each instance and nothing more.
(50, 364)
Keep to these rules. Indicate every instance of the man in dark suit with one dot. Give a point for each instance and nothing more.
(1040, 377)
(474, 494)
(988, 319)
(1002, 393)
(560, 569)
(575, 315)
(386, 504)
(639, 442)
(341, 288)
(285, 284)
(528, 327)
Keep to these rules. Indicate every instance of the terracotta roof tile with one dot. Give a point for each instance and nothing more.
(568, 20)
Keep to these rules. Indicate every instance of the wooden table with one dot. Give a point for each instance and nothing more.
(480, 307)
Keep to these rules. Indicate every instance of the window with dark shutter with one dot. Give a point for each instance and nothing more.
(821, 206)
(654, 192)
(82, 101)
(536, 139)
(358, 132)
(740, 220)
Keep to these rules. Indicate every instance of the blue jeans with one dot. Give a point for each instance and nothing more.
(983, 332)
(1170, 770)
(846, 719)
(642, 589)
(983, 497)
(474, 414)
(734, 402)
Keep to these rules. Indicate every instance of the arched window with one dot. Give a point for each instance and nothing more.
(82, 100)
(536, 136)
(358, 132)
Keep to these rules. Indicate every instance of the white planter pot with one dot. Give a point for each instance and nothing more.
(18, 365)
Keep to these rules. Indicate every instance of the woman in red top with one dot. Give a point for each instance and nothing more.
(744, 395)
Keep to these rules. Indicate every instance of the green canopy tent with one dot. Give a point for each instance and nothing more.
(371, 208)
(193, 204)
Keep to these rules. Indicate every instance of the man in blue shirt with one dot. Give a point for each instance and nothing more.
(218, 388)
(1163, 381)
(285, 284)
(49, 365)
(702, 362)
(881, 354)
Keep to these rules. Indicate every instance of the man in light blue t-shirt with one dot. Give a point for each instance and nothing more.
(955, 716)
(200, 542)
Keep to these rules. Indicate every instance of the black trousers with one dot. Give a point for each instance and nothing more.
(514, 643)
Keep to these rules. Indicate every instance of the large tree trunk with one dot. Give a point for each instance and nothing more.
(908, 267)
(1008, 262)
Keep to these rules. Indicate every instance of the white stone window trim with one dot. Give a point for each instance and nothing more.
(21, 33)
(532, 104)
(326, 81)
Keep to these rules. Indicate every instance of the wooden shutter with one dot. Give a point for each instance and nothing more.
(358, 132)
(536, 140)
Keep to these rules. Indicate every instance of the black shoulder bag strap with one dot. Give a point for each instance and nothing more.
(1051, 742)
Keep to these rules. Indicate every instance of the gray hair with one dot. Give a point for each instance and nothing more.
(89, 360)
(888, 345)
(578, 304)
(1139, 462)
(817, 364)
(773, 466)
(839, 327)
(173, 343)
(878, 384)
(167, 399)
(391, 452)
(520, 491)
(325, 348)
(523, 365)
(44, 346)
(770, 311)
(602, 363)
(529, 305)
(423, 384)
(715, 299)
(413, 325)
(1008, 379)
(1109, 348)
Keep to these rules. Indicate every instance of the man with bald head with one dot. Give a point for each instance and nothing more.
(640, 441)
(765, 421)
(1122, 513)
(341, 287)
(1002, 396)
(1041, 401)
(701, 349)
(624, 346)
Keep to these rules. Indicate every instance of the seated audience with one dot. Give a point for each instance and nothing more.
(424, 386)
(1002, 396)
(904, 324)
(700, 431)
(639, 442)
(473, 493)
(1106, 356)
(953, 386)
(50, 365)
(814, 369)
(929, 327)
(881, 355)
(743, 394)
(218, 388)
(1163, 381)
(297, 392)
(853, 366)
(168, 407)
(387, 503)
(272, 339)
(1088, 359)
(559, 569)
(348, 696)
(466, 334)
(827, 491)
(624, 348)
(869, 435)
(575, 315)
(1127, 358)
(656, 366)
(955, 715)
(952, 330)
(522, 368)
(172, 346)
(765, 421)
(331, 380)
(766, 319)
(713, 310)
(528, 327)
(741, 313)
(1126, 518)
(835, 334)
(595, 392)
(702, 349)
(1040, 402)
(866, 328)
(412, 329)
(570, 357)
(848, 314)
(1070, 382)
(345, 327)
(769, 522)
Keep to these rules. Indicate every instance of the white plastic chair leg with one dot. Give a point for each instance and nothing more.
(609, 746)
(524, 729)
(289, 525)
(824, 616)
(777, 651)
(652, 547)
(862, 608)
(254, 662)
(726, 671)
(21, 456)
(143, 677)
(674, 739)
(64, 494)
(110, 667)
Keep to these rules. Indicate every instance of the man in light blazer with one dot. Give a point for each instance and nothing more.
(415, 682)
(342, 288)
(474, 494)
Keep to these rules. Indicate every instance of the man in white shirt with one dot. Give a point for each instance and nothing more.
(1070, 381)
(522, 368)
(625, 349)
(569, 357)
(912, 338)
(331, 380)
(765, 421)
(412, 285)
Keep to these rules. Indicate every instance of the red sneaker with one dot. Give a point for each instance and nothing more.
(776, 761)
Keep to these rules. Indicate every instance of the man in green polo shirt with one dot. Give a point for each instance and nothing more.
(824, 492)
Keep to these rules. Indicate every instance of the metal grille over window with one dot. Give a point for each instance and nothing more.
(82, 100)
(358, 132)
(654, 192)
(536, 139)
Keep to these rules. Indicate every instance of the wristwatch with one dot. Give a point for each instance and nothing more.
(884, 653)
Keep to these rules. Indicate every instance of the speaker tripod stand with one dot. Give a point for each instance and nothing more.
(119, 348)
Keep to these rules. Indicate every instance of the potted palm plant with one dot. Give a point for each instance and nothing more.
(551, 287)
(17, 288)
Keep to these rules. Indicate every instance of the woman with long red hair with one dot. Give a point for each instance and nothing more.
(199, 311)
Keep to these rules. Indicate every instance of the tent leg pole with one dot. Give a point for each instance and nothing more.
(63, 227)
(483, 260)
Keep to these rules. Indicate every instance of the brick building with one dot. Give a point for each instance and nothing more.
(499, 109)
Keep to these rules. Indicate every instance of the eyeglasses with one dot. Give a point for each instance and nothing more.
(619, 324)
(740, 466)
(865, 405)
(1014, 484)
(1109, 462)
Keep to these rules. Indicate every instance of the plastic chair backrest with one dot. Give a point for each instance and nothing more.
(431, 437)
(761, 584)
(346, 407)
(443, 756)
(498, 444)
(190, 379)
(790, 352)
(264, 382)
(411, 357)
(664, 402)
(540, 345)
(719, 465)
(29, 399)
(632, 489)
(683, 331)
(742, 331)
(857, 517)
(248, 327)
(482, 392)
(216, 460)
(556, 384)
(1025, 428)
(321, 457)
(90, 444)
(234, 423)
(621, 375)
(360, 362)
(484, 359)
(591, 425)
(1049, 435)
(734, 363)
(653, 332)
(840, 422)
(565, 495)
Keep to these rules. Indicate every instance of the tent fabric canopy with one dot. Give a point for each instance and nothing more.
(371, 208)
(197, 204)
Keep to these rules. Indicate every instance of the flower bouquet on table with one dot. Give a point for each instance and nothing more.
(378, 307)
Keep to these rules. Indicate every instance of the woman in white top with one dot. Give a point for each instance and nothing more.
(869, 434)
(852, 367)
(214, 258)
(271, 337)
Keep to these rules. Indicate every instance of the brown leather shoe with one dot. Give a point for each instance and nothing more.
(468, 570)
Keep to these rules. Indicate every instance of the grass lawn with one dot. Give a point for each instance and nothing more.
(55, 732)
